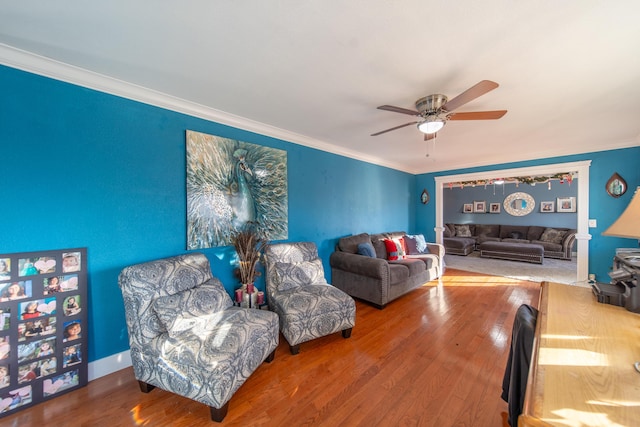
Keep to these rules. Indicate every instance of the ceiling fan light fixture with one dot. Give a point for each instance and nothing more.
(431, 125)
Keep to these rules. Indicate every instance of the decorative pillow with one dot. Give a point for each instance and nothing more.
(411, 245)
(402, 250)
(392, 249)
(421, 243)
(203, 300)
(295, 274)
(553, 235)
(463, 231)
(366, 249)
(516, 235)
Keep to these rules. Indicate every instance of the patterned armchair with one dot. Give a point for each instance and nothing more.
(308, 307)
(185, 335)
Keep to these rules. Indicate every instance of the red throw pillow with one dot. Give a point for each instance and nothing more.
(392, 249)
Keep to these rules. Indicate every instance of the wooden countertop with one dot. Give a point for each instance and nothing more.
(582, 369)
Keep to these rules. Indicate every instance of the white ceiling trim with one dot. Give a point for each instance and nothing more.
(40, 65)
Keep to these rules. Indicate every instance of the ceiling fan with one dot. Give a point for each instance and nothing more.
(433, 111)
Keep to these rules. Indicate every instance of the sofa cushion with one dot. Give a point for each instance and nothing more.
(350, 244)
(463, 230)
(203, 300)
(398, 273)
(415, 266)
(535, 232)
(429, 260)
(487, 230)
(411, 245)
(366, 249)
(506, 231)
(516, 235)
(291, 275)
(548, 246)
(553, 235)
(380, 248)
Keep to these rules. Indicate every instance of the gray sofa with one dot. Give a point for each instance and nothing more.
(462, 239)
(376, 279)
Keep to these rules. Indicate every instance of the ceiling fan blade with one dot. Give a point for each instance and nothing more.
(478, 115)
(398, 110)
(389, 130)
(470, 94)
(428, 136)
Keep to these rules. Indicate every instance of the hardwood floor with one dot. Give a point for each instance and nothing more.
(434, 357)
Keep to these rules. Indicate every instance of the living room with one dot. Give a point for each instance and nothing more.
(83, 167)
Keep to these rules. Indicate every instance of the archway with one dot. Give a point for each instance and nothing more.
(582, 168)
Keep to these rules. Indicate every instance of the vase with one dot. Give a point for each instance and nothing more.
(249, 296)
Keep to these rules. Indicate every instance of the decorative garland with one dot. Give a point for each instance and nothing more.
(531, 180)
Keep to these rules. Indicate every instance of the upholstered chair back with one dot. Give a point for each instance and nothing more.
(279, 254)
(142, 284)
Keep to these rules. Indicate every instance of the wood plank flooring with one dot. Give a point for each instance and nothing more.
(434, 357)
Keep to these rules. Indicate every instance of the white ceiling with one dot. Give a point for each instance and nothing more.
(314, 71)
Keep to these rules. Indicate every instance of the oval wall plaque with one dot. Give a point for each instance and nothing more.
(519, 204)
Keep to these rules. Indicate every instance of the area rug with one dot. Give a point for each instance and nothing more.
(552, 270)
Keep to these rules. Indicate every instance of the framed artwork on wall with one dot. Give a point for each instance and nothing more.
(479, 206)
(494, 208)
(467, 208)
(230, 184)
(547, 207)
(566, 204)
(616, 185)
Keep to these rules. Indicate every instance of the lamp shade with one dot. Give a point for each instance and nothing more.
(628, 225)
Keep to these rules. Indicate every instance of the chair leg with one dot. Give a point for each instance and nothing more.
(346, 333)
(218, 414)
(295, 349)
(144, 387)
(270, 357)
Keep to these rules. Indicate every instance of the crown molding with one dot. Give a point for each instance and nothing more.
(47, 67)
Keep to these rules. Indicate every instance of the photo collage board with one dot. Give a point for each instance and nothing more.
(43, 326)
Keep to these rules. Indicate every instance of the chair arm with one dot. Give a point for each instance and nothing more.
(436, 249)
(376, 268)
(567, 243)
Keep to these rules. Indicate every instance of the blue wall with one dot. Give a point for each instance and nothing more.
(455, 197)
(602, 207)
(82, 168)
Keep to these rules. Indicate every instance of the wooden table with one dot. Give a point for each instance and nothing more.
(582, 369)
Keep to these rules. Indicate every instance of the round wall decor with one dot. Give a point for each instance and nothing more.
(519, 204)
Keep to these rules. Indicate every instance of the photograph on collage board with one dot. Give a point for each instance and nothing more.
(43, 324)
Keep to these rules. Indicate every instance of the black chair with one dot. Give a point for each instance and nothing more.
(514, 383)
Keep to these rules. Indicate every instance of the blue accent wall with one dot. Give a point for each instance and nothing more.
(81, 168)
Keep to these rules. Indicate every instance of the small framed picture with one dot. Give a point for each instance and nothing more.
(494, 208)
(566, 204)
(479, 207)
(547, 207)
(467, 208)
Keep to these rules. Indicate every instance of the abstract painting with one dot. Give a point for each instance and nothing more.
(231, 183)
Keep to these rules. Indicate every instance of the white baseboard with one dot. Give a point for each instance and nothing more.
(108, 365)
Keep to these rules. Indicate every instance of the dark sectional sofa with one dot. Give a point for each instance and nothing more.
(462, 239)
